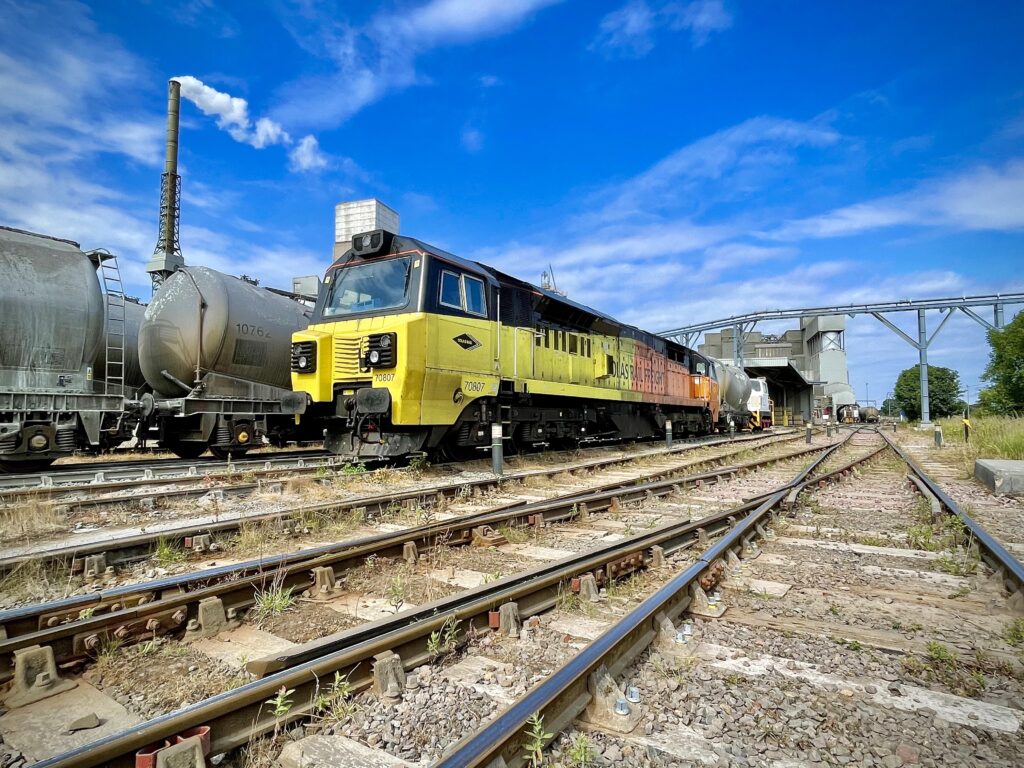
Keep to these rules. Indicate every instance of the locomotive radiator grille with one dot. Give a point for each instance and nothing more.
(347, 354)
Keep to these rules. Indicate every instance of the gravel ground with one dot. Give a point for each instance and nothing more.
(758, 714)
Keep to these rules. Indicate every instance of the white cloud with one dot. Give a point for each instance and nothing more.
(644, 254)
(472, 139)
(979, 198)
(447, 21)
(379, 57)
(701, 17)
(731, 161)
(68, 126)
(629, 31)
(626, 32)
(306, 156)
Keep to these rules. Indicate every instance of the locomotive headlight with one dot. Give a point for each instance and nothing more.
(304, 356)
(381, 350)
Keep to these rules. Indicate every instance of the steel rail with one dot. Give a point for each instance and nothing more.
(563, 696)
(74, 626)
(136, 547)
(995, 555)
(105, 476)
(236, 717)
(85, 473)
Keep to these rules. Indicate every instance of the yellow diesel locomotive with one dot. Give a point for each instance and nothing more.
(412, 349)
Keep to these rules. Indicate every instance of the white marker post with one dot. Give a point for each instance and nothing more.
(497, 452)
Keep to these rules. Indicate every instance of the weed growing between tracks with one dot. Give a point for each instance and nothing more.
(29, 520)
(272, 601)
(32, 581)
(943, 665)
(158, 676)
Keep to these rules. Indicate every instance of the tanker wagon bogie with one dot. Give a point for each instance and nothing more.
(67, 363)
(215, 351)
(412, 349)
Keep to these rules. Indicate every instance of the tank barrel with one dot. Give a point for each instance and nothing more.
(167, 256)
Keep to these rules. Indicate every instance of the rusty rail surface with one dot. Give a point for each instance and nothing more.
(238, 716)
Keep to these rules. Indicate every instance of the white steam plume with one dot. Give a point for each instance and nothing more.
(232, 115)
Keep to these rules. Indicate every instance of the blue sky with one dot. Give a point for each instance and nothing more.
(674, 161)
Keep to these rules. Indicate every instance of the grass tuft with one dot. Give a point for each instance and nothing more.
(272, 601)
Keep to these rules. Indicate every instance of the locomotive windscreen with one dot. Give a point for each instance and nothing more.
(369, 286)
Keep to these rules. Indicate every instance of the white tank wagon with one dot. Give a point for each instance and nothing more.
(759, 405)
(734, 389)
(216, 351)
(53, 319)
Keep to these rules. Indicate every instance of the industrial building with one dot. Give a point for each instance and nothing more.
(805, 368)
(357, 216)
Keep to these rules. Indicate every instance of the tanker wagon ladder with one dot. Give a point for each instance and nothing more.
(114, 312)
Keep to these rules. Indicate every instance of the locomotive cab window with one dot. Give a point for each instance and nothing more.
(451, 293)
(462, 292)
(476, 301)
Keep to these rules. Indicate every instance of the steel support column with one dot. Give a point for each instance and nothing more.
(922, 351)
(737, 345)
(997, 313)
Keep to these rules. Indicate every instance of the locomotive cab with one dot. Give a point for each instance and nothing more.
(400, 333)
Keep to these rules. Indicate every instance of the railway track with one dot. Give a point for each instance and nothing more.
(78, 625)
(533, 591)
(133, 545)
(143, 486)
(842, 644)
(61, 477)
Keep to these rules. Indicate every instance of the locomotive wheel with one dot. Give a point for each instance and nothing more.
(187, 450)
(225, 453)
(19, 467)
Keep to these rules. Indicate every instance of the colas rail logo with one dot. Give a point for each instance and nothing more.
(466, 341)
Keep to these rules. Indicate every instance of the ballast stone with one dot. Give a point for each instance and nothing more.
(1001, 476)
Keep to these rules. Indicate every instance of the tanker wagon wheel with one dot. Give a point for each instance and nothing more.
(225, 453)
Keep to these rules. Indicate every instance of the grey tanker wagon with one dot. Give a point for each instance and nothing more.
(215, 350)
(61, 338)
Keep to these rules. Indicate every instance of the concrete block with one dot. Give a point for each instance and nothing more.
(1001, 476)
(41, 730)
(237, 646)
(335, 752)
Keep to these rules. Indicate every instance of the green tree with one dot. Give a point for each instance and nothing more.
(1005, 369)
(890, 407)
(943, 391)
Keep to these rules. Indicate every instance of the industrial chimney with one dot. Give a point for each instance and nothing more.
(167, 256)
